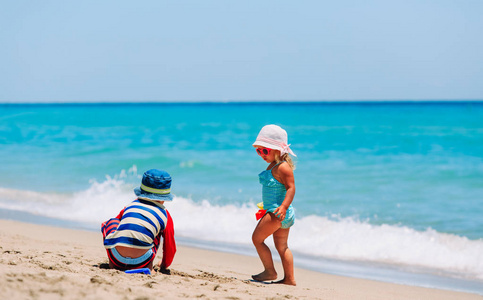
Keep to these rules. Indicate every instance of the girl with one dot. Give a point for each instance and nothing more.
(278, 193)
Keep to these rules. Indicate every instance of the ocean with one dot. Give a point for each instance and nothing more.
(390, 191)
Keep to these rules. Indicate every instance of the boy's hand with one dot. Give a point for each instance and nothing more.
(165, 271)
(162, 269)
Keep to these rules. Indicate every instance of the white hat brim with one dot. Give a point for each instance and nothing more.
(267, 145)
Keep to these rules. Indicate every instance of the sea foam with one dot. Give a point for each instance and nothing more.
(315, 237)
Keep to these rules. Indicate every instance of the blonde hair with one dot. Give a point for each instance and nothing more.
(286, 157)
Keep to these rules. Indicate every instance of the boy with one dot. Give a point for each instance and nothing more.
(132, 238)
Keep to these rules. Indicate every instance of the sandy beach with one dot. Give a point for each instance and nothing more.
(43, 262)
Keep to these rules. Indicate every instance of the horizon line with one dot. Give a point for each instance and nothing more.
(247, 102)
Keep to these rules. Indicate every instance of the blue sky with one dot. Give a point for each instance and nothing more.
(116, 51)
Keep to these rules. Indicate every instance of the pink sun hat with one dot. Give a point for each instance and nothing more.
(274, 137)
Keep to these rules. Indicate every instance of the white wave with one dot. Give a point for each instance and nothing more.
(350, 239)
(227, 223)
(342, 239)
(99, 202)
(314, 236)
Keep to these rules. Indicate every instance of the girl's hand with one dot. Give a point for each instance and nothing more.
(280, 212)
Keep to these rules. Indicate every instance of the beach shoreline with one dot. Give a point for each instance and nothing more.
(46, 262)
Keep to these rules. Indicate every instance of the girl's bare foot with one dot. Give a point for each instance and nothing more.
(265, 276)
(285, 281)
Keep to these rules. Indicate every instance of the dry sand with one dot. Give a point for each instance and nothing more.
(43, 262)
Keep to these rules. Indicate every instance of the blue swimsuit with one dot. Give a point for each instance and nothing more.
(273, 194)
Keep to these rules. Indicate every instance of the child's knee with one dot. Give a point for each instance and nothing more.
(281, 247)
(256, 239)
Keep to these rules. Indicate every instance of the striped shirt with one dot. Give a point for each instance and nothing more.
(141, 222)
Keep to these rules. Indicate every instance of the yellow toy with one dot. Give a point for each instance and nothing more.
(261, 212)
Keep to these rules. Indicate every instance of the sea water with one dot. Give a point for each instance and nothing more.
(388, 191)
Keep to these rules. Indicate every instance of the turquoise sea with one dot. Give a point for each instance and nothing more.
(385, 190)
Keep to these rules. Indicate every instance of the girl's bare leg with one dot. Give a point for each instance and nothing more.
(267, 226)
(280, 238)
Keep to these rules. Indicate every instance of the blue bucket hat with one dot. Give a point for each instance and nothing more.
(156, 185)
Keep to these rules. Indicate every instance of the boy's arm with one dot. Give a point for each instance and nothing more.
(119, 216)
(169, 244)
(104, 226)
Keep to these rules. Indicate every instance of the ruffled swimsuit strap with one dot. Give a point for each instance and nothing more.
(275, 166)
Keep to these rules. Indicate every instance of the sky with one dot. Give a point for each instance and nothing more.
(169, 51)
